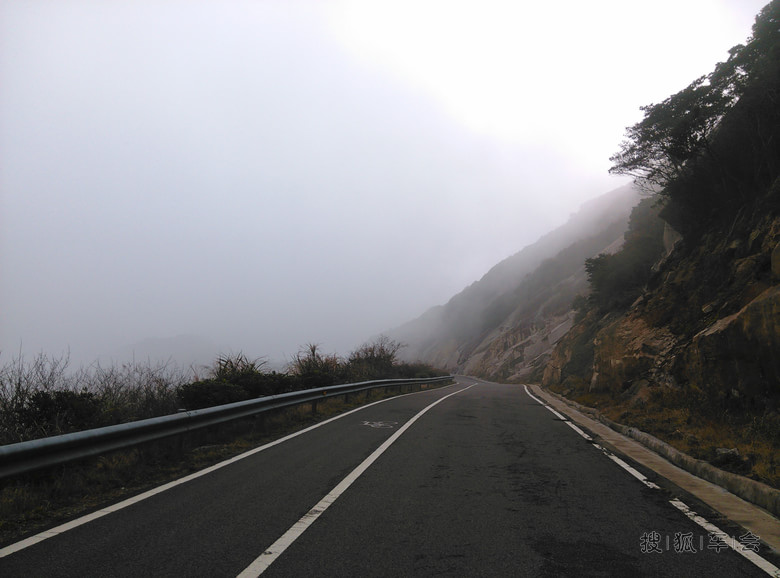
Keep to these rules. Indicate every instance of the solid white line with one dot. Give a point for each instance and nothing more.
(532, 396)
(262, 562)
(762, 563)
(21, 545)
(558, 415)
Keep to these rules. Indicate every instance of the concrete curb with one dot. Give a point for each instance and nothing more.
(747, 489)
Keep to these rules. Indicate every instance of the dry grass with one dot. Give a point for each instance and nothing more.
(699, 431)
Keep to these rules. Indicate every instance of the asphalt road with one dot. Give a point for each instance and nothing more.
(485, 483)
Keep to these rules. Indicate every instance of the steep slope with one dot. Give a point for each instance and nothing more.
(709, 318)
(499, 324)
(693, 356)
(708, 321)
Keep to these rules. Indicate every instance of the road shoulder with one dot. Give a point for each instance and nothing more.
(747, 515)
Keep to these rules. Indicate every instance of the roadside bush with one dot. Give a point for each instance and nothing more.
(270, 384)
(48, 413)
(311, 369)
(133, 391)
(210, 392)
(40, 397)
(374, 360)
(417, 370)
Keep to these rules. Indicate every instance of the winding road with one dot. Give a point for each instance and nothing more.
(473, 479)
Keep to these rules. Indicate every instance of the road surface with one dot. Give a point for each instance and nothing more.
(474, 479)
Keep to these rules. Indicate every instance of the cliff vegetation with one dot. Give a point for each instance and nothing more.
(682, 339)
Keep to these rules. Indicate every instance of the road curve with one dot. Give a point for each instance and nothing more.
(486, 482)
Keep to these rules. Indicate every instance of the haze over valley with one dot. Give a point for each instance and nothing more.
(182, 178)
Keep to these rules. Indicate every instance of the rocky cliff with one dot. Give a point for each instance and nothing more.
(503, 325)
(708, 321)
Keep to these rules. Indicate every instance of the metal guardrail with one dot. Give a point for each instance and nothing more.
(31, 455)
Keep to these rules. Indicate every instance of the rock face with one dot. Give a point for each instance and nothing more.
(709, 320)
(512, 354)
(626, 348)
(504, 325)
(739, 355)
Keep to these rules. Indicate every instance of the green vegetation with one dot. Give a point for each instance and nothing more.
(617, 280)
(714, 146)
(674, 346)
(42, 398)
(708, 154)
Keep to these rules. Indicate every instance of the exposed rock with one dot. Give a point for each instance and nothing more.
(740, 352)
(710, 321)
(629, 350)
(671, 238)
(501, 326)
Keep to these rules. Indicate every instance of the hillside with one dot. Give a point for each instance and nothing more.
(672, 323)
(500, 324)
(692, 354)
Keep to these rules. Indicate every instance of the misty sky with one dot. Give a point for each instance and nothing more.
(266, 174)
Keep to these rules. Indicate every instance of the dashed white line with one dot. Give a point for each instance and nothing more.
(579, 431)
(262, 562)
(634, 472)
(762, 563)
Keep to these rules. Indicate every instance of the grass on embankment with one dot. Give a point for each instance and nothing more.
(699, 430)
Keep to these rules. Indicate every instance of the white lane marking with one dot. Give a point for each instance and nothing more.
(634, 472)
(32, 540)
(556, 414)
(579, 431)
(380, 424)
(762, 563)
(532, 396)
(560, 416)
(262, 562)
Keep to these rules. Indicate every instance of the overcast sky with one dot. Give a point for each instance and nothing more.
(265, 174)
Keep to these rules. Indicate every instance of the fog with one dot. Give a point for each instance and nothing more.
(260, 175)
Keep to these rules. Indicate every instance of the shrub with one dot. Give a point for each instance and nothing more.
(210, 392)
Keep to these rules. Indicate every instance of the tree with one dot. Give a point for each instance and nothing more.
(617, 280)
(670, 135)
(678, 132)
